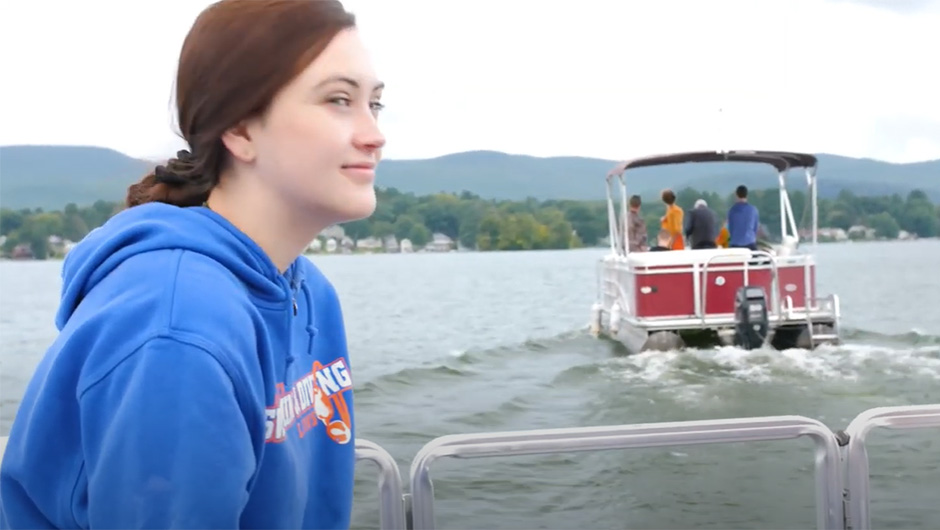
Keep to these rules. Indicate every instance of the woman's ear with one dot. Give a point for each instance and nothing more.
(238, 142)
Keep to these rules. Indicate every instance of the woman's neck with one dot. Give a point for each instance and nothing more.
(275, 227)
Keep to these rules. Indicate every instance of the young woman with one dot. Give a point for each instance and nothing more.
(200, 378)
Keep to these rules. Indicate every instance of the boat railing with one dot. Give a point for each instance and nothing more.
(774, 302)
(827, 305)
(611, 287)
(828, 494)
(612, 269)
(841, 458)
(391, 492)
(857, 485)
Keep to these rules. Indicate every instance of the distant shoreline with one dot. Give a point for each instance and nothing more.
(371, 253)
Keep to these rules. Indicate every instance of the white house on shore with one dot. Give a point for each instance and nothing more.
(439, 243)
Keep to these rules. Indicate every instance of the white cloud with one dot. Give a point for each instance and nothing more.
(591, 78)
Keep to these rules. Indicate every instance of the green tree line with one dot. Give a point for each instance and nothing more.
(486, 224)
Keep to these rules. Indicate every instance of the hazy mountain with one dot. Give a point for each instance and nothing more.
(494, 174)
(53, 176)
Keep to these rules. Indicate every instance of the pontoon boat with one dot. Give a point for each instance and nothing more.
(699, 298)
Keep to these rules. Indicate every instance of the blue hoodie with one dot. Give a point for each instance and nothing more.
(192, 385)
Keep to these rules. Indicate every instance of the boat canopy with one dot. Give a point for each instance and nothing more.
(781, 160)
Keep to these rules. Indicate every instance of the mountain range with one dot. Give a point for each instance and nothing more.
(51, 176)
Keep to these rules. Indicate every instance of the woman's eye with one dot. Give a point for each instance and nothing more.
(341, 100)
(375, 106)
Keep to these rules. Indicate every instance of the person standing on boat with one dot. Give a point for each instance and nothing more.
(743, 222)
(638, 233)
(200, 378)
(701, 226)
(673, 220)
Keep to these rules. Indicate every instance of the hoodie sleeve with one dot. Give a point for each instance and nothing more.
(166, 443)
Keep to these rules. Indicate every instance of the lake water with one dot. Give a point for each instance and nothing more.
(470, 342)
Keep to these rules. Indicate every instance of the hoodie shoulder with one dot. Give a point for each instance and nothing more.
(209, 298)
(160, 270)
(165, 293)
(188, 291)
(141, 231)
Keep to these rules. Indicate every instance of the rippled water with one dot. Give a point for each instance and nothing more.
(455, 343)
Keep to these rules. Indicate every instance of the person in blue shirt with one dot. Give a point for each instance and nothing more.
(200, 377)
(743, 222)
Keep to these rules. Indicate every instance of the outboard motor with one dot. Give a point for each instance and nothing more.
(750, 316)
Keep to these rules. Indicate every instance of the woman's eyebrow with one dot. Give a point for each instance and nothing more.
(349, 81)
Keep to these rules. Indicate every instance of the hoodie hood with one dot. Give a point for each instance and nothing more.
(158, 226)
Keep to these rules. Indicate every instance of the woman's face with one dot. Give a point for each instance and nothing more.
(317, 146)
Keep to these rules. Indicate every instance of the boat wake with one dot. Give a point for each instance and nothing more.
(573, 358)
(844, 363)
(913, 337)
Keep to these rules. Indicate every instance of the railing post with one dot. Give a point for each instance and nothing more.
(391, 498)
(857, 482)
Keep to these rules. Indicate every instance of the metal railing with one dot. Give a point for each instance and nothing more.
(842, 499)
(842, 481)
(613, 277)
(773, 302)
(828, 490)
(857, 484)
(391, 496)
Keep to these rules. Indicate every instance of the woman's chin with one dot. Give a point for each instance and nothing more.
(358, 206)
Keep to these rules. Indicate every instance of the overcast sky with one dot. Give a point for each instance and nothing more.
(610, 79)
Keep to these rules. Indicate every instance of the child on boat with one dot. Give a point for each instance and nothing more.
(663, 238)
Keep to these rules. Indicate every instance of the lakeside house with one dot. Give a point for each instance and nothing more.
(334, 240)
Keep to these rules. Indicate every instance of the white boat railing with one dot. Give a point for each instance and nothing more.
(614, 275)
(828, 484)
(842, 494)
(857, 484)
(773, 301)
(841, 459)
(391, 495)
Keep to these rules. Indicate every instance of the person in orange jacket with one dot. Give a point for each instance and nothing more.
(673, 220)
(723, 236)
